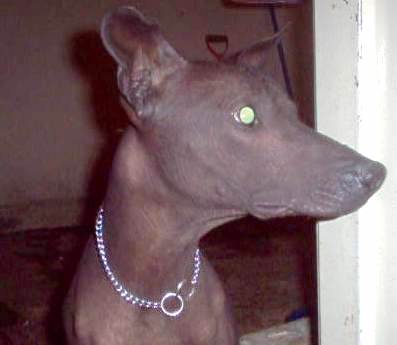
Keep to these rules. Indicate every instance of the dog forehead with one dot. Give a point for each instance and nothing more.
(219, 80)
(208, 91)
(222, 72)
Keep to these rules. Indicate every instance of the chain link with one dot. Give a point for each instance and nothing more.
(132, 298)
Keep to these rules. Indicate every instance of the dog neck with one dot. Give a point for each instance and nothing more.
(151, 234)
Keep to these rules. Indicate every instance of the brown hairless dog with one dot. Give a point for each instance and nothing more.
(208, 143)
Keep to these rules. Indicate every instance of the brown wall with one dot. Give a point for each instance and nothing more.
(59, 114)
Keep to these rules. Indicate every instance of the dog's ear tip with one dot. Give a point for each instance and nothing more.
(124, 10)
(123, 16)
(123, 29)
(133, 11)
(255, 55)
(126, 14)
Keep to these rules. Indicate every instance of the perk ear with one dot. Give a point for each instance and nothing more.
(255, 56)
(144, 57)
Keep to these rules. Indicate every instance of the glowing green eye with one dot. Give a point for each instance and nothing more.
(246, 115)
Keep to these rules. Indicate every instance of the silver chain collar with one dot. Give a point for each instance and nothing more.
(144, 302)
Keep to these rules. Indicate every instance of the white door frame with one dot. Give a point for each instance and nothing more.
(356, 103)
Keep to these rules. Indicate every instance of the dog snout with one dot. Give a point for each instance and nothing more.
(373, 175)
(369, 175)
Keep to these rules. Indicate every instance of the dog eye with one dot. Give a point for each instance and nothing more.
(246, 116)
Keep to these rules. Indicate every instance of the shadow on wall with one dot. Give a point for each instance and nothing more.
(99, 70)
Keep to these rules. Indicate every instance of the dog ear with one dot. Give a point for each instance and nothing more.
(255, 56)
(144, 57)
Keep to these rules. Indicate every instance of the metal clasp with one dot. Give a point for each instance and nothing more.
(175, 312)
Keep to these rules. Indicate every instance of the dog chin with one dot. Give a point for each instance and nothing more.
(265, 212)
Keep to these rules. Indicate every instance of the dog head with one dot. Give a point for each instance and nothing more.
(224, 136)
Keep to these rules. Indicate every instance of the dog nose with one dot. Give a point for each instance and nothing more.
(374, 175)
(368, 174)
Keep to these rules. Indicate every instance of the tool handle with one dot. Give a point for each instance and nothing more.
(217, 40)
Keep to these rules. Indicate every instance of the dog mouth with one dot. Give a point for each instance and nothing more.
(327, 198)
(346, 193)
(320, 205)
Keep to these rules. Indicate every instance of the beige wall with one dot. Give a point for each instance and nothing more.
(59, 114)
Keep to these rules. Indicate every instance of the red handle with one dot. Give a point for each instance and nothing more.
(212, 40)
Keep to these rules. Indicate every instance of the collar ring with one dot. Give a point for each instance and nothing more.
(169, 296)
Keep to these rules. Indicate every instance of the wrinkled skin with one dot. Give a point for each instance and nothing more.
(276, 167)
(186, 165)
